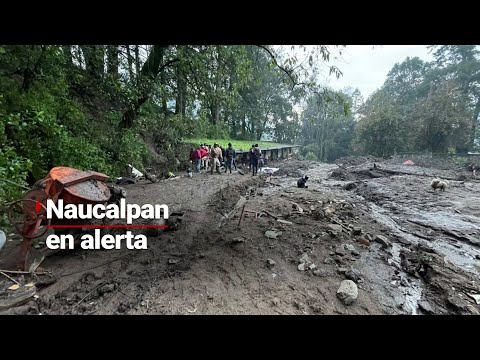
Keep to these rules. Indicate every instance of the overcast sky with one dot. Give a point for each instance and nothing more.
(366, 68)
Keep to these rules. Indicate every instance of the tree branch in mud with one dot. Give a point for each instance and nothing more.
(447, 232)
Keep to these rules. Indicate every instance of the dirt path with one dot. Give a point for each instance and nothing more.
(212, 266)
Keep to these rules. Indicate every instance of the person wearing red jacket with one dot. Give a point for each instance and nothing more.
(204, 157)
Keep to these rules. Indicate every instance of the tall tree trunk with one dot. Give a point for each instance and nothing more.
(130, 64)
(163, 85)
(94, 60)
(180, 101)
(137, 63)
(151, 68)
(112, 61)
(476, 113)
(244, 126)
(67, 51)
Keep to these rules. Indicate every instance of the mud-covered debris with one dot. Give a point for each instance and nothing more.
(312, 208)
(357, 230)
(355, 253)
(11, 298)
(107, 288)
(272, 234)
(297, 207)
(312, 267)
(350, 186)
(281, 221)
(237, 240)
(301, 267)
(475, 297)
(320, 272)
(364, 242)
(173, 261)
(329, 211)
(425, 307)
(340, 251)
(477, 256)
(382, 240)
(270, 262)
(342, 270)
(328, 260)
(369, 237)
(347, 292)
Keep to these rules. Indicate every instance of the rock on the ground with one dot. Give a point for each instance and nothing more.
(357, 230)
(329, 211)
(301, 267)
(475, 297)
(304, 259)
(271, 234)
(425, 307)
(335, 227)
(320, 272)
(349, 247)
(369, 237)
(270, 262)
(328, 260)
(364, 242)
(382, 240)
(238, 240)
(353, 275)
(347, 292)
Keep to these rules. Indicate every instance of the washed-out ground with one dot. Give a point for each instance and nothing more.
(409, 250)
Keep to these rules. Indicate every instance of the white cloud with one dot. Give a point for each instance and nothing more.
(366, 68)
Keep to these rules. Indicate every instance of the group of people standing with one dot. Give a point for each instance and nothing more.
(216, 156)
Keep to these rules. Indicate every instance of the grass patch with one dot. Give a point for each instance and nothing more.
(242, 145)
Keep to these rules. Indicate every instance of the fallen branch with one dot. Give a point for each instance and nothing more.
(271, 215)
(446, 231)
(241, 215)
(9, 277)
(263, 212)
(396, 172)
(95, 267)
(24, 272)
(80, 301)
(339, 223)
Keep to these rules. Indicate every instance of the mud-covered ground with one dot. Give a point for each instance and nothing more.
(409, 250)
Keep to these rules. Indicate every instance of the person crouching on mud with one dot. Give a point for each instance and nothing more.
(301, 183)
(216, 155)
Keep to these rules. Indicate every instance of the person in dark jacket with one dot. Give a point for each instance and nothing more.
(229, 157)
(301, 183)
